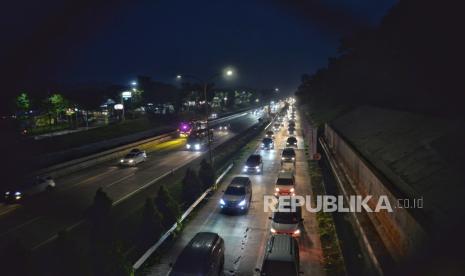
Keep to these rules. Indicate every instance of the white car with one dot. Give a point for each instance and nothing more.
(285, 184)
(133, 158)
(288, 223)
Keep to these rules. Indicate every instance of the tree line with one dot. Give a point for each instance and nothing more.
(412, 61)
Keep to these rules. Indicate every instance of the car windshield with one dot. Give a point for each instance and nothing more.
(286, 217)
(253, 160)
(267, 141)
(291, 140)
(284, 181)
(235, 190)
(130, 155)
(288, 152)
(269, 132)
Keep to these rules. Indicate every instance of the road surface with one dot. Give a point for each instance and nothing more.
(246, 235)
(36, 221)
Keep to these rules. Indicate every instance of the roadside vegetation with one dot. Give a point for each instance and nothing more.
(333, 258)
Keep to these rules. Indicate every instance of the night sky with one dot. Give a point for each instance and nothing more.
(270, 43)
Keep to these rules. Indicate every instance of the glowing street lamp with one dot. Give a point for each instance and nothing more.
(227, 72)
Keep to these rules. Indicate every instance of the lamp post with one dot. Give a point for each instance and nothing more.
(228, 72)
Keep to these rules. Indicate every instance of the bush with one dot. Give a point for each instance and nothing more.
(168, 207)
(206, 175)
(151, 224)
(191, 187)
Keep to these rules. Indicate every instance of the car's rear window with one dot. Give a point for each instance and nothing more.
(275, 268)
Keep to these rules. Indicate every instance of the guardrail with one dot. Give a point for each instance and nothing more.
(162, 239)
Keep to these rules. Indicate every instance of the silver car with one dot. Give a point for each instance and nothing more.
(29, 188)
(238, 195)
(133, 158)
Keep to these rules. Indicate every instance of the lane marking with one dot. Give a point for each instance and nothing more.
(20, 226)
(119, 180)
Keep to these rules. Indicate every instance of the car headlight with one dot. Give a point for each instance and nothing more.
(276, 189)
(292, 190)
(188, 146)
(131, 160)
(222, 202)
(242, 203)
(287, 144)
(197, 146)
(273, 231)
(282, 158)
(18, 194)
(263, 144)
(257, 167)
(293, 158)
(121, 161)
(7, 193)
(297, 232)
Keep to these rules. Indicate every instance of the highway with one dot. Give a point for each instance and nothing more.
(36, 221)
(246, 235)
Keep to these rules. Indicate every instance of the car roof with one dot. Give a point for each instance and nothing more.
(197, 248)
(240, 180)
(280, 248)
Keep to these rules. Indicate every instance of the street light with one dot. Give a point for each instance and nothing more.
(228, 72)
(134, 83)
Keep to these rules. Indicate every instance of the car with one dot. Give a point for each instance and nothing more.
(203, 255)
(288, 155)
(291, 142)
(291, 124)
(276, 127)
(134, 157)
(285, 184)
(267, 143)
(269, 134)
(28, 188)
(291, 131)
(281, 257)
(224, 128)
(287, 222)
(238, 195)
(254, 164)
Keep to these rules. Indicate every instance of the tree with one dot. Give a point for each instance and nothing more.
(150, 227)
(58, 104)
(167, 206)
(206, 175)
(191, 187)
(100, 215)
(23, 103)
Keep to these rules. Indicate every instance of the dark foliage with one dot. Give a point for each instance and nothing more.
(167, 206)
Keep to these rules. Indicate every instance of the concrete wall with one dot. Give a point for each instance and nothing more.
(400, 232)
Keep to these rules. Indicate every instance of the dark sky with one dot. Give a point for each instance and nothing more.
(270, 43)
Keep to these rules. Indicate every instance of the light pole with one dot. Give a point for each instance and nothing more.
(228, 72)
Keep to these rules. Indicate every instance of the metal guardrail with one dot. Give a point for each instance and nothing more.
(162, 239)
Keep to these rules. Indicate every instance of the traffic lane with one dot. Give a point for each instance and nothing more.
(67, 206)
(235, 229)
(244, 235)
